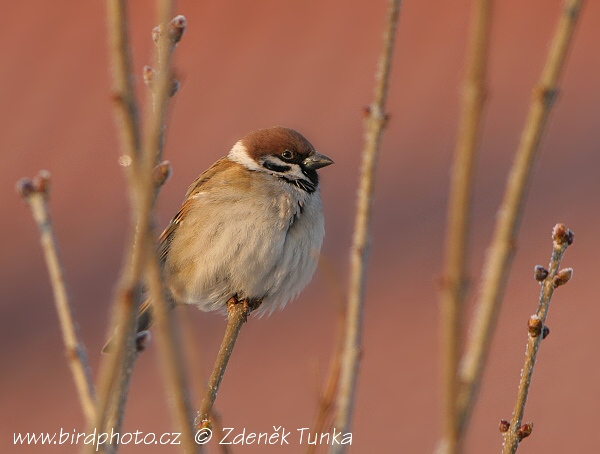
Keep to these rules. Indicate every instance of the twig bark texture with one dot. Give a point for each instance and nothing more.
(375, 123)
(561, 239)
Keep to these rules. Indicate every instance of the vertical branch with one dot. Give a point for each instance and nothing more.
(142, 175)
(375, 123)
(562, 238)
(140, 163)
(36, 195)
(327, 395)
(123, 92)
(502, 247)
(166, 36)
(116, 370)
(161, 85)
(459, 206)
(172, 363)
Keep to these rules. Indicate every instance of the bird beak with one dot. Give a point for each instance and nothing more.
(316, 161)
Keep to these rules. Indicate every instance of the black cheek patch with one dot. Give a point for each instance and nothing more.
(275, 167)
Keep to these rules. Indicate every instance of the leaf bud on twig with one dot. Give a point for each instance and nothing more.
(504, 425)
(41, 182)
(156, 32)
(177, 28)
(149, 75)
(535, 326)
(25, 187)
(524, 431)
(561, 234)
(540, 273)
(161, 173)
(175, 86)
(563, 276)
(142, 339)
(545, 332)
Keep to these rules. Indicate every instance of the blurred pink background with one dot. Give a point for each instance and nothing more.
(309, 65)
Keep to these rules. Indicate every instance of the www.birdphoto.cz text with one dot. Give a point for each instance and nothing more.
(229, 436)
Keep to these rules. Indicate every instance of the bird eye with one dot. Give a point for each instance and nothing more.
(287, 154)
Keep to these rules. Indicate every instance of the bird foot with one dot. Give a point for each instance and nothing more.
(248, 305)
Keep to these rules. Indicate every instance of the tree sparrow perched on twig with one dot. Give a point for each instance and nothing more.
(250, 227)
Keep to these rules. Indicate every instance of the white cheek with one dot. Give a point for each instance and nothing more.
(239, 154)
(296, 172)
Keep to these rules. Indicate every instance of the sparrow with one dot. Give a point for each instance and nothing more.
(250, 227)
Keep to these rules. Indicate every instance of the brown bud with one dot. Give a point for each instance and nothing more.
(570, 237)
(161, 173)
(149, 75)
(561, 234)
(540, 273)
(535, 326)
(177, 28)
(142, 339)
(386, 119)
(545, 332)
(175, 86)
(156, 33)
(504, 425)
(25, 187)
(206, 424)
(41, 182)
(524, 431)
(563, 276)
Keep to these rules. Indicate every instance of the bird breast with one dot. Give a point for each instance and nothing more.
(248, 234)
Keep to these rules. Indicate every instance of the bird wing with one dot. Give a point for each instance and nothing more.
(198, 185)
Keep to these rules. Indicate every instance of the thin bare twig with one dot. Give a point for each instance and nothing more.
(375, 123)
(35, 193)
(327, 395)
(169, 347)
(501, 251)
(459, 206)
(161, 89)
(123, 92)
(168, 343)
(237, 315)
(140, 165)
(116, 370)
(562, 238)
